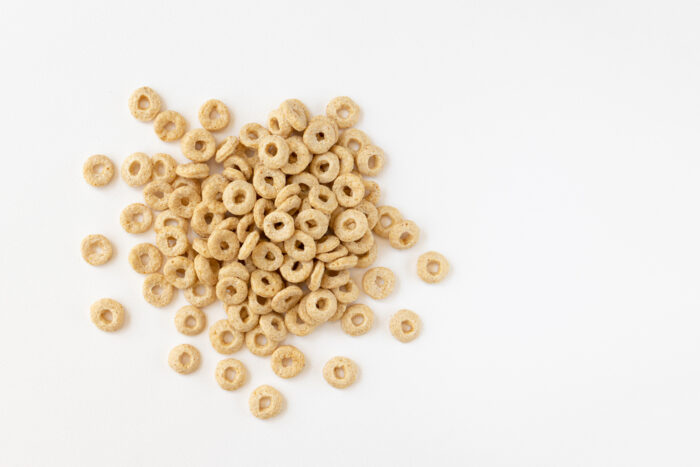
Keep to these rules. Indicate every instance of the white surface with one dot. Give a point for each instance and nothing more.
(550, 151)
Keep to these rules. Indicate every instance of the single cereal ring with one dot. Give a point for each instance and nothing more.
(347, 160)
(198, 145)
(246, 225)
(432, 267)
(322, 198)
(354, 140)
(295, 271)
(168, 219)
(272, 325)
(350, 225)
(325, 167)
(330, 256)
(299, 156)
(348, 190)
(248, 245)
(287, 361)
(340, 372)
(372, 191)
(378, 283)
(405, 325)
(403, 234)
(346, 293)
(286, 299)
(207, 269)
(341, 264)
(169, 126)
(156, 194)
(266, 283)
(96, 249)
(333, 279)
(172, 241)
(258, 304)
(273, 151)
(145, 258)
(200, 294)
(306, 182)
(290, 205)
(98, 170)
(206, 216)
(231, 290)
(232, 174)
(267, 256)
(362, 245)
(278, 226)
(344, 111)
(193, 170)
(357, 320)
(321, 305)
(137, 169)
(223, 245)
(229, 223)
(320, 134)
(144, 104)
(184, 359)
(258, 343)
(287, 192)
(316, 276)
(181, 181)
(312, 222)
(239, 197)
(183, 200)
(200, 246)
(327, 243)
(277, 123)
(268, 182)
(224, 338)
(241, 317)
(295, 325)
(370, 160)
(251, 133)
(136, 218)
(163, 167)
(230, 374)
(261, 209)
(300, 246)
(370, 211)
(241, 164)
(214, 115)
(190, 320)
(388, 217)
(295, 113)
(365, 260)
(226, 149)
(179, 271)
(213, 187)
(156, 290)
(107, 314)
(265, 402)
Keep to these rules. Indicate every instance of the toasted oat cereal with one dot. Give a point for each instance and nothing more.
(378, 283)
(332, 279)
(344, 111)
(184, 359)
(370, 160)
(258, 304)
(403, 234)
(287, 361)
(268, 182)
(172, 241)
(214, 115)
(347, 293)
(206, 216)
(357, 320)
(354, 140)
(223, 245)
(339, 312)
(267, 256)
(325, 167)
(295, 113)
(273, 151)
(144, 104)
(96, 249)
(432, 267)
(340, 372)
(321, 305)
(295, 325)
(322, 198)
(231, 374)
(200, 294)
(193, 170)
(183, 200)
(365, 260)
(98, 170)
(265, 283)
(206, 269)
(137, 169)
(348, 190)
(251, 133)
(295, 271)
(299, 156)
(265, 402)
(258, 343)
(231, 290)
(405, 325)
(198, 145)
(190, 320)
(107, 314)
(350, 225)
(277, 124)
(388, 217)
(136, 218)
(320, 134)
(278, 226)
(241, 318)
(168, 219)
(234, 269)
(248, 245)
(372, 191)
(179, 271)
(226, 149)
(156, 194)
(145, 258)
(163, 167)
(169, 125)
(272, 325)
(157, 291)
(224, 337)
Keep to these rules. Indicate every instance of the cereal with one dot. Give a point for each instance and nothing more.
(157, 291)
(214, 115)
(107, 314)
(322, 198)
(350, 225)
(321, 305)
(258, 343)
(312, 222)
(286, 298)
(190, 320)
(144, 104)
(98, 170)
(136, 218)
(327, 243)
(320, 135)
(346, 293)
(278, 226)
(354, 140)
(206, 269)
(234, 269)
(340, 264)
(370, 160)
(206, 217)
(299, 156)
(145, 258)
(344, 111)
(372, 191)
(239, 197)
(267, 256)
(258, 304)
(268, 182)
(295, 271)
(230, 374)
(265, 402)
(200, 294)
(357, 320)
(168, 219)
(388, 216)
(339, 312)
(183, 200)
(295, 325)
(223, 245)
(316, 276)
(184, 359)
(362, 245)
(295, 113)
(378, 283)
(156, 194)
(179, 271)
(96, 249)
(266, 283)
(163, 167)
(224, 338)
(172, 241)
(241, 317)
(261, 209)
(248, 245)
(181, 181)
(246, 225)
(371, 213)
(405, 325)
(231, 290)
(273, 151)
(348, 190)
(332, 279)
(193, 170)
(300, 246)
(287, 361)
(137, 169)
(340, 372)
(226, 149)
(169, 125)
(272, 325)
(432, 267)
(240, 164)
(277, 124)
(198, 145)
(403, 234)
(251, 133)
(325, 167)
(345, 157)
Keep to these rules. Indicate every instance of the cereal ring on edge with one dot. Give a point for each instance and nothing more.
(107, 314)
(98, 170)
(163, 167)
(96, 249)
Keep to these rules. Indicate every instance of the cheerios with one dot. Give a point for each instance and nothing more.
(378, 283)
(183, 200)
(346, 293)
(325, 167)
(98, 170)
(322, 198)
(265, 402)
(241, 317)
(432, 267)
(370, 160)
(299, 156)
(96, 249)
(272, 325)
(295, 271)
(321, 305)
(273, 151)
(312, 222)
(403, 234)
(184, 359)
(144, 104)
(258, 343)
(344, 111)
(348, 190)
(357, 320)
(224, 338)
(278, 226)
(268, 182)
(277, 124)
(136, 218)
(388, 217)
(251, 133)
(295, 325)
(157, 291)
(320, 135)
(223, 245)
(137, 169)
(405, 325)
(193, 170)
(107, 314)
(287, 361)
(295, 113)
(163, 167)
(231, 290)
(340, 372)
(169, 125)
(179, 271)
(231, 374)
(214, 115)
(190, 320)
(350, 225)
(172, 241)
(145, 258)
(198, 145)
(267, 256)
(354, 140)
(200, 294)
(156, 194)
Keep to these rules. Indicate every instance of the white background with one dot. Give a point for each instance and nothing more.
(551, 150)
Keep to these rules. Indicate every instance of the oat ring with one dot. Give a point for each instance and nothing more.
(405, 325)
(184, 359)
(230, 374)
(157, 291)
(432, 267)
(214, 115)
(378, 283)
(265, 402)
(344, 111)
(107, 314)
(350, 225)
(340, 372)
(272, 325)
(169, 125)
(136, 218)
(98, 170)
(198, 145)
(258, 343)
(287, 361)
(404, 234)
(145, 258)
(96, 249)
(357, 320)
(224, 337)
(190, 320)
(144, 104)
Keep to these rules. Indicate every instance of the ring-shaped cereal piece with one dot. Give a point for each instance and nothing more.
(290, 205)
(370, 160)
(295, 325)
(405, 325)
(169, 126)
(240, 164)
(265, 402)
(332, 279)
(234, 269)
(322, 198)
(312, 222)
(372, 191)
(163, 167)
(325, 167)
(327, 243)
(350, 225)
(181, 181)
(248, 245)
(306, 182)
(300, 246)
(286, 299)
(223, 245)
(273, 151)
(229, 223)
(224, 338)
(231, 290)
(378, 283)
(340, 372)
(96, 249)
(213, 188)
(239, 197)
(190, 320)
(258, 343)
(348, 190)
(179, 271)
(157, 291)
(261, 209)
(346, 293)
(183, 200)
(98, 170)
(266, 283)
(184, 359)
(354, 140)
(136, 218)
(388, 217)
(365, 260)
(137, 169)
(144, 104)
(295, 113)
(145, 258)
(287, 361)
(258, 304)
(241, 318)
(299, 156)
(214, 115)
(316, 276)
(198, 145)
(321, 305)
(156, 194)
(251, 133)
(370, 211)
(200, 294)
(363, 245)
(107, 314)
(232, 174)
(278, 226)
(343, 263)
(432, 267)
(286, 193)
(172, 241)
(357, 320)
(295, 271)
(320, 135)
(277, 124)
(267, 256)
(193, 170)
(246, 225)
(226, 149)
(339, 312)
(347, 160)
(268, 182)
(404, 234)
(272, 325)
(230, 374)
(206, 216)
(344, 111)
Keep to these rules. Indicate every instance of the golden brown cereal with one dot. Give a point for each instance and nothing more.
(169, 125)
(378, 283)
(350, 225)
(316, 276)
(241, 164)
(229, 223)
(251, 133)
(268, 182)
(432, 267)
(365, 260)
(273, 151)
(223, 245)
(344, 111)
(179, 271)
(299, 156)
(296, 113)
(320, 134)
(287, 192)
(306, 182)
(370, 211)
(370, 160)
(241, 317)
(183, 200)
(200, 294)
(362, 245)
(98, 170)
(405, 325)
(136, 218)
(207, 269)
(354, 140)
(145, 258)
(340, 372)
(339, 312)
(265, 402)
(333, 279)
(300, 246)
(372, 191)
(230, 374)
(156, 194)
(163, 167)
(206, 216)
(137, 169)
(213, 187)
(224, 338)
(231, 290)
(234, 269)
(388, 216)
(287, 361)
(172, 241)
(295, 271)
(340, 264)
(193, 170)
(267, 256)
(325, 167)
(107, 314)
(198, 145)
(322, 198)
(181, 181)
(144, 104)
(258, 343)
(321, 305)
(403, 234)
(272, 325)
(286, 298)
(258, 304)
(226, 149)
(190, 320)
(214, 115)
(312, 222)
(239, 197)
(348, 190)
(96, 249)
(347, 160)
(266, 283)
(327, 243)
(357, 320)
(261, 209)
(232, 174)
(337, 252)
(157, 291)
(278, 226)
(295, 325)
(184, 359)
(168, 219)
(278, 124)
(248, 245)
(245, 226)
(346, 293)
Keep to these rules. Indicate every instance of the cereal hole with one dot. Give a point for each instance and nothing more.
(200, 290)
(296, 266)
(213, 114)
(433, 267)
(274, 124)
(347, 191)
(185, 201)
(286, 361)
(385, 221)
(224, 246)
(171, 241)
(239, 198)
(264, 403)
(372, 162)
(379, 281)
(271, 149)
(357, 319)
(321, 303)
(190, 322)
(268, 180)
(320, 136)
(244, 313)
(261, 300)
(230, 374)
(252, 135)
(339, 372)
(145, 259)
(208, 218)
(324, 166)
(354, 145)
(180, 273)
(406, 326)
(343, 112)
(170, 223)
(405, 238)
(185, 358)
(138, 217)
(293, 158)
(199, 145)
(134, 167)
(231, 290)
(227, 337)
(170, 126)
(97, 168)
(144, 103)
(157, 289)
(269, 256)
(106, 316)
(159, 168)
(260, 340)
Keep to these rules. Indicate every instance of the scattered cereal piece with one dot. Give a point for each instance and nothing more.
(230, 374)
(137, 169)
(169, 125)
(107, 314)
(403, 234)
(378, 283)
(184, 359)
(157, 291)
(344, 111)
(287, 361)
(340, 372)
(405, 325)
(432, 267)
(214, 115)
(98, 170)
(144, 104)
(357, 320)
(265, 402)
(198, 145)
(96, 249)
(190, 320)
